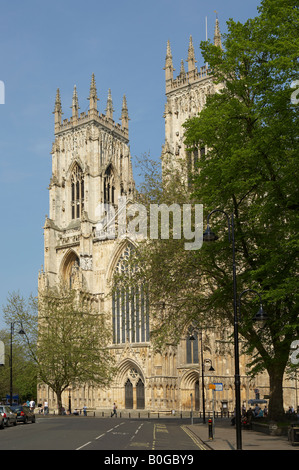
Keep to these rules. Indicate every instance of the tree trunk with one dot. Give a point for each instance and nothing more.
(59, 401)
(276, 410)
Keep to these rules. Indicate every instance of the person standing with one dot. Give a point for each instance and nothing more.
(114, 412)
(46, 408)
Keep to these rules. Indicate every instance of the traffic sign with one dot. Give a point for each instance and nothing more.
(218, 387)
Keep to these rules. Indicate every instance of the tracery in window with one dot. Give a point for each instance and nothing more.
(130, 309)
(109, 186)
(192, 349)
(77, 192)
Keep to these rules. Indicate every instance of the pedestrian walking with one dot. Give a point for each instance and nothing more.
(85, 410)
(46, 408)
(114, 412)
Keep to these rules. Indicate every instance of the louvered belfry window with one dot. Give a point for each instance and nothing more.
(109, 186)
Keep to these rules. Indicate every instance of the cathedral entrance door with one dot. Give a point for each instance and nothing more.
(128, 394)
(140, 394)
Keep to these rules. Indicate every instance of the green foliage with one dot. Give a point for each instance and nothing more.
(24, 370)
(66, 341)
(73, 341)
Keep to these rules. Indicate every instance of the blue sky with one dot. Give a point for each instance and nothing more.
(45, 45)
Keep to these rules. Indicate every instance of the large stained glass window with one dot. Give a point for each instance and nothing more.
(130, 310)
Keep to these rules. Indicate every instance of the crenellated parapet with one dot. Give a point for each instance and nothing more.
(104, 121)
(193, 74)
(184, 78)
(188, 78)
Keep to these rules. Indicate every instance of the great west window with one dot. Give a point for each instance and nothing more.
(130, 310)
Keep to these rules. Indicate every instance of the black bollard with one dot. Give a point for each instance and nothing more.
(210, 429)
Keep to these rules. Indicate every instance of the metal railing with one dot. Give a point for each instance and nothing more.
(148, 414)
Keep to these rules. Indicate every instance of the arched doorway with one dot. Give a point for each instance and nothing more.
(140, 394)
(128, 395)
(132, 385)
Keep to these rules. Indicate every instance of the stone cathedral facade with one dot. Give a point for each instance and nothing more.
(91, 164)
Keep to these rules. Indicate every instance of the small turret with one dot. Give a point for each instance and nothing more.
(168, 65)
(191, 57)
(217, 35)
(182, 71)
(57, 111)
(75, 105)
(124, 115)
(93, 98)
(109, 109)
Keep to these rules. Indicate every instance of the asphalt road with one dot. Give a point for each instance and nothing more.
(107, 434)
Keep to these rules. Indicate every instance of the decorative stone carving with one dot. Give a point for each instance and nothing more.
(86, 262)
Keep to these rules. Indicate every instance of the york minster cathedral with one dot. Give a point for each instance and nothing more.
(91, 164)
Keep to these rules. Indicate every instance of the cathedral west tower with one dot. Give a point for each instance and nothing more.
(91, 164)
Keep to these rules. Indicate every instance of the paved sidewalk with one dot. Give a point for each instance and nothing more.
(225, 438)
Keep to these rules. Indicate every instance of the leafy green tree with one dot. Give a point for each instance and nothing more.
(24, 369)
(65, 338)
(72, 342)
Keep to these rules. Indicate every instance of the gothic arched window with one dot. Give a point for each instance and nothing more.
(192, 349)
(77, 192)
(109, 186)
(130, 310)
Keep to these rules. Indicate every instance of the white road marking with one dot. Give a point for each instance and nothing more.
(84, 445)
(99, 437)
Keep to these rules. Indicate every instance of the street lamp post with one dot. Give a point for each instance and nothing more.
(209, 236)
(212, 386)
(192, 338)
(21, 332)
(70, 401)
(260, 316)
(202, 380)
